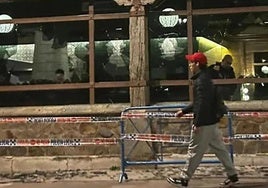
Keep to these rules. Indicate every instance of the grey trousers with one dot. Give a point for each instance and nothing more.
(202, 138)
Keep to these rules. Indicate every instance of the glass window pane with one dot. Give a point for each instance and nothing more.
(112, 50)
(169, 94)
(261, 57)
(260, 92)
(36, 51)
(28, 9)
(161, 5)
(261, 71)
(112, 95)
(167, 58)
(104, 7)
(168, 46)
(42, 98)
(167, 49)
(112, 60)
(115, 29)
(202, 4)
(78, 61)
(35, 54)
(238, 35)
(211, 38)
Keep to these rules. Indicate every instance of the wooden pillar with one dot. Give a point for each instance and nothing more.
(190, 42)
(91, 53)
(138, 73)
(138, 65)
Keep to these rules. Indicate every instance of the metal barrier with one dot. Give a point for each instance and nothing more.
(150, 112)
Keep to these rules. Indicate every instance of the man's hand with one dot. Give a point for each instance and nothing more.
(216, 67)
(179, 113)
(195, 129)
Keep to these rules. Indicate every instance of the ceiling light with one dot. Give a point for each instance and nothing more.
(264, 69)
(168, 20)
(6, 28)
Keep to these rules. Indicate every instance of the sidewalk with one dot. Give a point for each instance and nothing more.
(108, 169)
(195, 183)
(134, 174)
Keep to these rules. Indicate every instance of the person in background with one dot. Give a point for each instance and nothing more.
(205, 132)
(60, 77)
(224, 70)
(7, 77)
(4, 74)
(14, 79)
(74, 76)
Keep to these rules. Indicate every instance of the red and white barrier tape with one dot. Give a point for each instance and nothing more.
(262, 137)
(58, 119)
(58, 142)
(157, 138)
(173, 115)
(185, 139)
(250, 114)
(165, 138)
(153, 115)
(89, 119)
(111, 119)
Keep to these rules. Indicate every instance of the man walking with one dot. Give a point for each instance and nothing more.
(205, 132)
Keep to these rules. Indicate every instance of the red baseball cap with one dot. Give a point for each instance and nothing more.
(197, 57)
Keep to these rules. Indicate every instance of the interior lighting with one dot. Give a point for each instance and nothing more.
(245, 92)
(245, 98)
(168, 20)
(6, 28)
(264, 69)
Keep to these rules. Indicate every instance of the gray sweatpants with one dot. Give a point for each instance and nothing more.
(202, 138)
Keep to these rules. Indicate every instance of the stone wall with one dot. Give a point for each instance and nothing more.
(137, 150)
(250, 125)
(241, 125)
(60, 131)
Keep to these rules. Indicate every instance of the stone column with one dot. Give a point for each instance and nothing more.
(47, 59)
(138, 65)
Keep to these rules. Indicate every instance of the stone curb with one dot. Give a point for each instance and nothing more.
(10, 165)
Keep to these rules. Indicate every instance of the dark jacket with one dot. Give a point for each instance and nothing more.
(204, 103)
